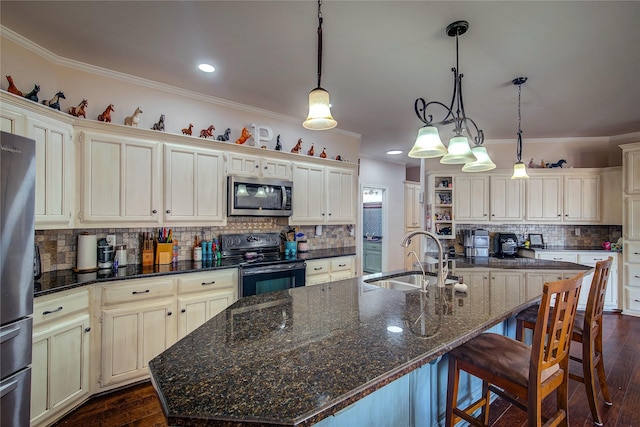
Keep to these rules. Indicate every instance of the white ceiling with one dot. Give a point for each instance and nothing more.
(582, 58)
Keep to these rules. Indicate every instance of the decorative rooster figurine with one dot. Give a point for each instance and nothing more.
(244, 136)
(297, 147)
(311, 152)
(323, 155)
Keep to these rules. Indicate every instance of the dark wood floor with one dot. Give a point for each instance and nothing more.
(139, 405)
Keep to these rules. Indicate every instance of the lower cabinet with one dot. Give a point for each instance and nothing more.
(60, 355)
(372, 257)
(325, 270)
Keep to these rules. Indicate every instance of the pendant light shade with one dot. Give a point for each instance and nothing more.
(319, 117)
(428, 144)
(458, 152)
(519, 171)
(483, 162)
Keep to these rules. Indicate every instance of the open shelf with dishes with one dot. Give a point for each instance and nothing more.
(443, 207)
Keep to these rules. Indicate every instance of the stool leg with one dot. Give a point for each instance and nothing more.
(520, 330)
(602, 378)
(452, 391)
(589, 378)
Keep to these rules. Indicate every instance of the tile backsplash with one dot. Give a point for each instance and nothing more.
(58, 248)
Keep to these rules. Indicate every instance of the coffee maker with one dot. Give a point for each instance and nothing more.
(105, 254)
(481, 243)
(467, 242)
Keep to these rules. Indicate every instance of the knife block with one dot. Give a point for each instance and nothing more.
(164, 252)
(147, 257)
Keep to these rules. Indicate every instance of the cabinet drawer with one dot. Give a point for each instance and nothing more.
(200, 282)
(632, 251)
(317, 266)
(559, 256)
(591, 259)
(632, 275)
(341, 264)
(137, 290)
(633, 299)
(59, 305)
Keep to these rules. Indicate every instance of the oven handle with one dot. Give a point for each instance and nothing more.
(284, 197)
(248, 271)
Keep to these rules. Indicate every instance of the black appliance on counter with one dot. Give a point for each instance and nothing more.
(263, 267)
(505, 245)
(17, 270)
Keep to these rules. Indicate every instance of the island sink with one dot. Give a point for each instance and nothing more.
(407, 282)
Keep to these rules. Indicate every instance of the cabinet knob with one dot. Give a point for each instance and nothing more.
(87, 329)
(259, 166)
(169, 313)
(184, 310)
(154, 211)
(168, 211)
(559, 215)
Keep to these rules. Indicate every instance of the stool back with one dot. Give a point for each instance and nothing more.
(595, 303)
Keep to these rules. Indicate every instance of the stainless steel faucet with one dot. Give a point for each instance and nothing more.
(425, 282)
(442, 260)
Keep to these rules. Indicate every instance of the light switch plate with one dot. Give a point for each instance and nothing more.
(111, 240)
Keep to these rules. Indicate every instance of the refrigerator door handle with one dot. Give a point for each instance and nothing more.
(8, 388)
(7, 335)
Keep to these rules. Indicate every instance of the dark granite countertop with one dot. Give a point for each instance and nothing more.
(62, 280)
(567, 248)
(295, 357)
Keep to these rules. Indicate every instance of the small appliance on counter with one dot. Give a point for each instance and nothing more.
(505, 245)
(105, 254)
(467, 242)
(481, 243)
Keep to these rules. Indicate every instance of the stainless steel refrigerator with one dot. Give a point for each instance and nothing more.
(17, 208)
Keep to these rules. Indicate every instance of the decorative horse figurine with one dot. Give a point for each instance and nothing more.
(244, 136)
(106, 114)
(297, 147)
(12, 88)
(559, 164)
(33, 95)
(133, 120)
(208, 132)
(187, 131)
(278, 144)
(79, 110)
(160, 125)
(55, 101)
(311, 152)
(323, 155)
(225, 136)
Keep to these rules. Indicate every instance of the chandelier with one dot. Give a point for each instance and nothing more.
(519, 169)
(319, 117)
(428, 143)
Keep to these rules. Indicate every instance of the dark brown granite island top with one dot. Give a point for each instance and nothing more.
(298, 356)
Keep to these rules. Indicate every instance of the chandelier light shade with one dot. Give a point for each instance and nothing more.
(519, 169)
(464, 127)
(428, 144)
(483, 162)
(319, 117)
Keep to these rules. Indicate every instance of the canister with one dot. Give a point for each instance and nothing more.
(121, 254)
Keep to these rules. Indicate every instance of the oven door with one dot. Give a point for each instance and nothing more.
(256, 280)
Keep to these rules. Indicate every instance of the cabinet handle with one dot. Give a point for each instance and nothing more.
(154, 211)
(184, 310)
(168, 211)
(559, 215)
(169, 313)
(322, 213)
(329, 213)
(208, 283)
(493, 214)
(557, 259)
(566, 214)
(637, 300)
(87, 329)
(342, 265)
(636, 276)
(52, 311)
(484, 214)
(636, 253)
(140, 292)
(317, 268)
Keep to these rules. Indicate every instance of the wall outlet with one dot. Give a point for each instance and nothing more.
(577, 231)
(111, 240)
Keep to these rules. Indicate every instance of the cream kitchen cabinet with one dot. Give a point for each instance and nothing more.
(323, 194)
(60, 354)
(506, 197)
(612, 204)
(506, 289)
(342, 268)
(194, 185)
(611, 295)
(325, 270)
(121, 179)
(138, 323)
(52, 132)
(535, 281)
(631, 228)
(412, 200)
(257, 166)
(544, 198)
(471, 198)
(631, 164)
(203, 295)
(582, 199)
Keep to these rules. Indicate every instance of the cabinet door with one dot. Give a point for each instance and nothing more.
(507, 199)
(411, 205)
(12, 119)
(536, 280)
(471, 198)
(632, 218)
(131, 336)
(507, 290)
(308, 194)
(544, 198)
(60, 367)
(194, 184)
(582, 198)
(195, 310)
(121, 179)
(566, 256)
(275, 168)
(341, 196)
(242, 164)
(632, 172)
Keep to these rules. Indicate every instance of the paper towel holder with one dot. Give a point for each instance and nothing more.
(89, 249)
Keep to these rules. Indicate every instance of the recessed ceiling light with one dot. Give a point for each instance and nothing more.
(207, 68)
(394, 152)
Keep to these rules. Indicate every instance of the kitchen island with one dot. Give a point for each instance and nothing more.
(341, 353)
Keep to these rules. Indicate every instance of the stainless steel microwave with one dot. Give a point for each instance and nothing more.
(258, 196)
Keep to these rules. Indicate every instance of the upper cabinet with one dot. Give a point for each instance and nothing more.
(506, 197)
(257, 166)
(121, 179)
(544, 198)
(192, 190)
(471, 198)
(54, 159)
(631, 160)
(412, 205)
(323, 194)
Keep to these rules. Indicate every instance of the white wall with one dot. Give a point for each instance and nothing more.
(391, 176)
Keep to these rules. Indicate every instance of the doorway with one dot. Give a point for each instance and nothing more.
(374, 228)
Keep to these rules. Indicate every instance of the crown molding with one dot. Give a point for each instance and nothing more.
(127, 78)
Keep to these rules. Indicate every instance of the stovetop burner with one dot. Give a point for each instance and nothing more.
(254, 248)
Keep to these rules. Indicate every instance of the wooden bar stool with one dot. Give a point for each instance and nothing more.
(522, 374)
(587, 330)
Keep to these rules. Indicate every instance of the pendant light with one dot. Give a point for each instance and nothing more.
(319, 117)
(242, 190)
(519, 169)
(428, 143)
